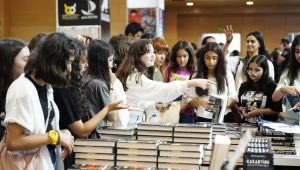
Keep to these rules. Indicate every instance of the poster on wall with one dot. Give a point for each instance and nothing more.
(144, 16)
(160, 31)
(78, 12)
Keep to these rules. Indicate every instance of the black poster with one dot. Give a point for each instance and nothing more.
(78, 12)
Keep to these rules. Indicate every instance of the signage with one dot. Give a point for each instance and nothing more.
(78, 12)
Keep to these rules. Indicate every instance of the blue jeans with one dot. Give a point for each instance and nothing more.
(135, 119)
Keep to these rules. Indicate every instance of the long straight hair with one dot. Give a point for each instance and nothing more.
(133, 60)
(261, 49)
(220, 69)
(293, 65)
(98, 53)
(9, 49)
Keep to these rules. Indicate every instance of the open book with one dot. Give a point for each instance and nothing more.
(220, 104)
(293, 100)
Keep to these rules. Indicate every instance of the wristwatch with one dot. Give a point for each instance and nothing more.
(53, 134)
(261, 114)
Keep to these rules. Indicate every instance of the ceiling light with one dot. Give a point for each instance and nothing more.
(190, 4)
(249, 3)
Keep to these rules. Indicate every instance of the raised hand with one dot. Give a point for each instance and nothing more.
(228, 32)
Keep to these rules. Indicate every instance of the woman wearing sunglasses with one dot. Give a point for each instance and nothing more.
(255, 94)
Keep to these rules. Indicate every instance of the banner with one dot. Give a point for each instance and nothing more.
(78, 12)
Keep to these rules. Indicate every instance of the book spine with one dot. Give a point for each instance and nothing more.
(291, 144)
(281, 139)
(276, 133)
(285, 152)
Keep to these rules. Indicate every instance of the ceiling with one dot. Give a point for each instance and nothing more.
(200, 3)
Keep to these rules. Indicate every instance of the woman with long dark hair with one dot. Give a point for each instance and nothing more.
(237, 65)
(136, 73)
(260, 87)
(289, 84)
(212, 66)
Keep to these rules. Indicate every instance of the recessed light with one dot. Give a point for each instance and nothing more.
(249, 3)
(190, 4)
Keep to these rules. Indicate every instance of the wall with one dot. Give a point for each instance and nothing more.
(272, 21)
(118, 16)
(4, 18)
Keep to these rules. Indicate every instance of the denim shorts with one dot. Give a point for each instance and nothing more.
(135, 119)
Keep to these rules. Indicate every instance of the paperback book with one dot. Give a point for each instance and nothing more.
(293, 100)
(219, 107)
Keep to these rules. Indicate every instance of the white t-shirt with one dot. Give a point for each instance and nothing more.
(143, 95)
(290, 116)
(229, 93)
(234, 62)
(23, 107)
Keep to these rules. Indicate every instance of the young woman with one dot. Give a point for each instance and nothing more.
(255, 94)
(159, 65)
(97, 83)
(121, 44)
(136, 73)
(211, 66)
(13, 57)
(73, 105)
(237, 65)
(27, 111)
(182, 65)
(289, 83)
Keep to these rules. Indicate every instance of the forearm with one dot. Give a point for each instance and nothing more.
(268, 111)
(278, 94)
(225, 48)
(231, 103)
(81, 129)
(195, 103)
(183, 107)
(16, 141)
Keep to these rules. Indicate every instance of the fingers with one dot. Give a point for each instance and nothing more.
(211, 82)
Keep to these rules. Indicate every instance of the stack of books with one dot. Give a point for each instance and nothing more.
(137, 153)
(186, 156)
(259, 154)
(199, 133)
(282, 142)
(111, 132)
(249, 126)
(95, 151)
(155, 131)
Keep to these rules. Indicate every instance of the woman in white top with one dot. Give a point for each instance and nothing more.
(212, 66)
(135, 74)
(289, 84)
(237, 65)
(29, 101)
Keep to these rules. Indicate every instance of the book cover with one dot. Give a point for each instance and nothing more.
(117, 130)
(258, 158)
(267, 131)
(293, 100)
(218, 109)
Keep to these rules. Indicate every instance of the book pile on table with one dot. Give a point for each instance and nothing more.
(95, 151)
(137, 153)
(155, 131)
(199, 133)
(259, 154)
(180, 155)
(107, 167)
(111, 132)
(282, 142)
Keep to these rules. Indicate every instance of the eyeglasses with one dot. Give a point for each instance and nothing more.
(255, 73)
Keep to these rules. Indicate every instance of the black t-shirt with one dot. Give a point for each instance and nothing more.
(2, 116)
(42, 92)
(251, 95)
(67, 107)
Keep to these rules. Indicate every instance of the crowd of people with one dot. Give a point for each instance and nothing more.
(56, 88)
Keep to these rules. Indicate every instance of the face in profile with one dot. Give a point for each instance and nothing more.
(83, 63)
(69, 67)
(20, 62)
(160, 58)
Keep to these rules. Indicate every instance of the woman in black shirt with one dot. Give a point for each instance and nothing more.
(255, 94)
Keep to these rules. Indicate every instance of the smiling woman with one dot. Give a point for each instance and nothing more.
(135, 74)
